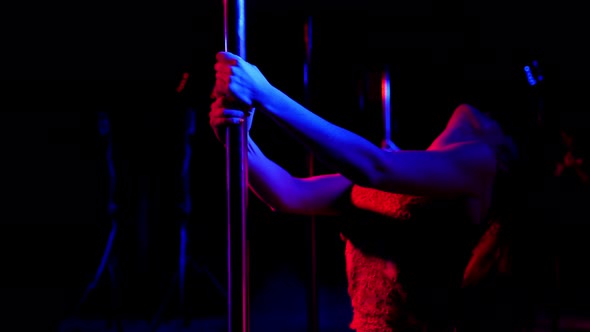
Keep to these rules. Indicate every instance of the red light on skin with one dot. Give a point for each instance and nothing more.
(182, 83)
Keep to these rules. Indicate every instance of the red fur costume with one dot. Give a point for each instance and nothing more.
(405, 257)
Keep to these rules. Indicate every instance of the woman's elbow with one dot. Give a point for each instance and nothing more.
(370, 175)
(377, 175)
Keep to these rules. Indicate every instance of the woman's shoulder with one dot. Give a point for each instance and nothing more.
(452, 136)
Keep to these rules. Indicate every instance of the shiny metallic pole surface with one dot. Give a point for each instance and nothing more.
(237, 185)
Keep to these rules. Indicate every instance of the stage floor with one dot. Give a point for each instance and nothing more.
(280, 305)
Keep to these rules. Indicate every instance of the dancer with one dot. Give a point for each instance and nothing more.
(409, 214)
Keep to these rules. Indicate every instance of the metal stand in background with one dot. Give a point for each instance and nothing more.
(184, 259)
(312, 289)
(108, 260)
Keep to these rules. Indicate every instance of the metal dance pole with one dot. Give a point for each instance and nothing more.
(387, 142)
(237, 185)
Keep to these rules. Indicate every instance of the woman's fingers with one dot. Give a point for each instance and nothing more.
(217, 122)
(219, 110)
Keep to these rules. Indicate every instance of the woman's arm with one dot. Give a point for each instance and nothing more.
(463, 168)
(282, 192)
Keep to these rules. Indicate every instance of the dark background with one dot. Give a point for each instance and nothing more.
(63, 62)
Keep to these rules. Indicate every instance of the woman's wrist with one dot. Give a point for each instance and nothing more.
(265, 97)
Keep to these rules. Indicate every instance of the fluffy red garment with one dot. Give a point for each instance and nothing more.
(382, 287)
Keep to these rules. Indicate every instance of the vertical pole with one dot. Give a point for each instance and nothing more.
(237, 185)
(386, 106)
(312, 306)
(387, 142)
